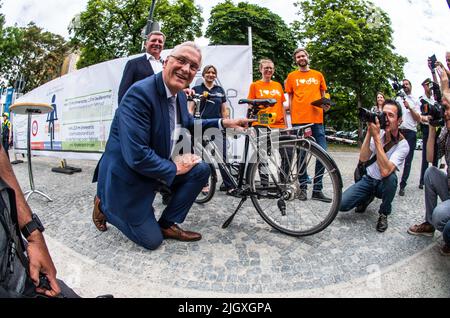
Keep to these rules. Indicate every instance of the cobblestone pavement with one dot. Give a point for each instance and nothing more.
(247, 258)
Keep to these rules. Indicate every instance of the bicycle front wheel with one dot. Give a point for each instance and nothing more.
(208, 191)
(297, 189)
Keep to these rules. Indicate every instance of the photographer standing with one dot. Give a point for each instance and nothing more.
(390, 149)
(437, 182)
(408, 128)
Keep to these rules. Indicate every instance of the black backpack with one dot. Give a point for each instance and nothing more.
(15, 280)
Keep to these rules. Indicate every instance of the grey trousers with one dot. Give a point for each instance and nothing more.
(436, 185)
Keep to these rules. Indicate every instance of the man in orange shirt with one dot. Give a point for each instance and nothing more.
(305, 86)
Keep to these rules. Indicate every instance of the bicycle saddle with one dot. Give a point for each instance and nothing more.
(266, 102)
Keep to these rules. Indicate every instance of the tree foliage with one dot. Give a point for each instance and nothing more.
(272, 38)
(30, 51)
(110, 29)
(350, 41)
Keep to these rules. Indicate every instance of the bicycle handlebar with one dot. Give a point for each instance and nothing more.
(266, 102)
(205, 95)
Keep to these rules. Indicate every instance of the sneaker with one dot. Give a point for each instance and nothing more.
(318, 195)
(424, 229)
(362, 207)
(401, 192)
(421, 186)
(445, 250)
(382, 223)
(302, 196)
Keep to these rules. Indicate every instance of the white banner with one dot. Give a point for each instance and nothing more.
(84, 103)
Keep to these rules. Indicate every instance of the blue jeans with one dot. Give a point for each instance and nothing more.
(411, 138)
(362, 191)
(436, 186)
(446, 233)
(185, 189)
(318, 132)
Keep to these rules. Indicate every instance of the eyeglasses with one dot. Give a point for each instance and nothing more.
(194, 67)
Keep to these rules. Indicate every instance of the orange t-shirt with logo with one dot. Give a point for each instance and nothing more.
(305, 88)
(260, 89)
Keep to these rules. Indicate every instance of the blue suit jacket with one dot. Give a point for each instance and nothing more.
(135, 70)
(137, 155)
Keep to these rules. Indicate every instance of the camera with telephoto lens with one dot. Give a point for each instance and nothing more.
(435, 110)
(398, 88)
(368, 116)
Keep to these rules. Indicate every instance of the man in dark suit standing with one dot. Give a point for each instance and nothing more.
(139, 155)
(148, 64)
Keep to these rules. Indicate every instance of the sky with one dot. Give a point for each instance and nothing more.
(420, 26)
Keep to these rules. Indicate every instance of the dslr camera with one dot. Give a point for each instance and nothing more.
(398, 88)
(368, 116)
(434, 110)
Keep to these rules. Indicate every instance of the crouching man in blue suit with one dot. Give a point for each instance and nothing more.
(137, 158)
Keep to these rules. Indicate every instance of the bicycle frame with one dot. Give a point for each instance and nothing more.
(250, 141)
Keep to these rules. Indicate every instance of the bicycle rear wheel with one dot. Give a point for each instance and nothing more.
(283, 191)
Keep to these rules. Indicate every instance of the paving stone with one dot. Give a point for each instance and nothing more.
(248, 256)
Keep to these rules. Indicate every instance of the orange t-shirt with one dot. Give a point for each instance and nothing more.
(260, 89)
(305, 87)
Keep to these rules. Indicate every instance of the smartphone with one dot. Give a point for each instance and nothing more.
(433, 61)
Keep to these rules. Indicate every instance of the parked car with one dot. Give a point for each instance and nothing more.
(330, 131)
(353, 135)
(419, 144)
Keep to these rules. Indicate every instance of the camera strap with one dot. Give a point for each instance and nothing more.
(386, 148)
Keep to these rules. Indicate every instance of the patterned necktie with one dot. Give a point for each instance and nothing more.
(172, 107)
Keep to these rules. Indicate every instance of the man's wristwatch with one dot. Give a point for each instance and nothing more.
(33, 225)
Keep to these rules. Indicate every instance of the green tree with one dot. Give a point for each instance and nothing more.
(110, 29)
(30, 51)
(350, 41)
(272, 38)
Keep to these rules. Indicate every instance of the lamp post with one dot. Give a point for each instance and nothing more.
(149, 26)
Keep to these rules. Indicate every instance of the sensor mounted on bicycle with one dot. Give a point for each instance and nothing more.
(258, 110)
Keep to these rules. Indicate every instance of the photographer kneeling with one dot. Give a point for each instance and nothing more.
(390, 149)
(437, 182)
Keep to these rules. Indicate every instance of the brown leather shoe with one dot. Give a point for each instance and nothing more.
(176, 233)
(98, 217)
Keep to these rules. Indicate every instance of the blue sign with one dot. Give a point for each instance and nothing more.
(8, 101)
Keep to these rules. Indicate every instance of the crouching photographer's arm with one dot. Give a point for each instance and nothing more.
(430, 143)
(365, 152)
(39, 257)
(386, 166)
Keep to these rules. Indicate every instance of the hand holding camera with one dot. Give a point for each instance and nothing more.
(374, 128)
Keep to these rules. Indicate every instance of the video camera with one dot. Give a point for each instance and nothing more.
(370, 116)
(398, 88)
(436, 110)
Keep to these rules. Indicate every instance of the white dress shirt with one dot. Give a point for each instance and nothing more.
(408, 120)
(157, 65)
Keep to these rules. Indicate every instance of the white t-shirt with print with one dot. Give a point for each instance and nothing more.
(397, 155)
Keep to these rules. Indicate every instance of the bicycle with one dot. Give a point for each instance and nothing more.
(277, 173)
